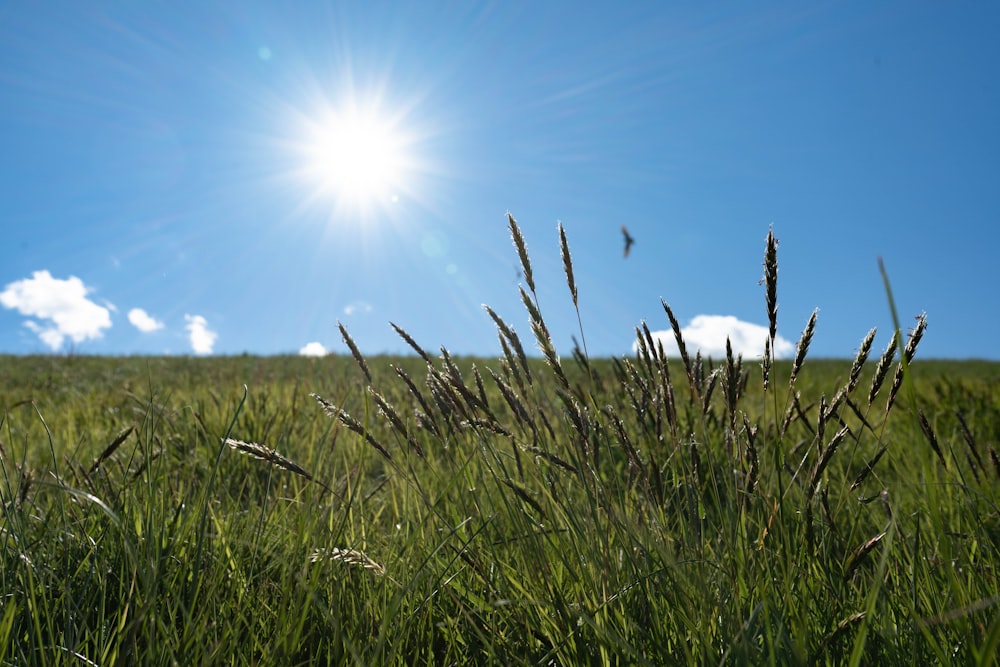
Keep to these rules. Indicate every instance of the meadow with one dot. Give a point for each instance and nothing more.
(532, 508)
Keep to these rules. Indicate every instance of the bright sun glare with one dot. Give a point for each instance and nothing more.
(356, 157)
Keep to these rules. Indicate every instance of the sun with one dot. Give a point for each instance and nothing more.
(357, 157)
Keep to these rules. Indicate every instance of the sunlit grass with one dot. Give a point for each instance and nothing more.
(553, 510)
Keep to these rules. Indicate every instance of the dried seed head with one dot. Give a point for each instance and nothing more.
(908, 351)
(675, 325)
(882, 367)
(750, 456)
(770, 281)
(351, 423)
(351, 557)
(732, 381)
(264, 453)
(642, 348)
(513, 400)
(427, 412)
(824, 459)
(512, 337)
(567, 264)
(859, 360)
(486, 424)
(543, 338)
(803, 347)
(928, 432)
(867, 470)
(969, 440)
(522, 251)
(765, 364)
(859, 554)
(412, 343)
(110, 449)
(386, 409)
(354, 351)
(914, 338)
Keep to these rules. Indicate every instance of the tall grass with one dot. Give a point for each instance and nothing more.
(441, 510)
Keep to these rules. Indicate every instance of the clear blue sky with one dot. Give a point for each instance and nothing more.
(228, 177)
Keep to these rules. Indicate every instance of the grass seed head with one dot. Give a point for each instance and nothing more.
(412, 343)
(914, 338)
(765, 365)
(882, 367)
(355, 351)
(770, 281)
(860, 359)
(824, 460)
(512, 338)
(681, 347)
(264, 453)
(522, 252)
(111, 448)
(970, 441)
(869, 467)
(803, 347)
(909, 350)
(928, 431)
(859, 555)
(567, 264)
(351, 423)
(351, 557)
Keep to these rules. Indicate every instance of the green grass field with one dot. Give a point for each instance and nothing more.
(512, 510)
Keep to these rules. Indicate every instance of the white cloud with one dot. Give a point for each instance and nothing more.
(63, 303)
(202, 338)
(358, 307)
(142, 321)
(51, 337)
(708, 333)
(314, 349)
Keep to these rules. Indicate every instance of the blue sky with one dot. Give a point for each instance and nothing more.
(229, 177)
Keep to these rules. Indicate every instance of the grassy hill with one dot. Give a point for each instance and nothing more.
(515, 510)
(485, 510)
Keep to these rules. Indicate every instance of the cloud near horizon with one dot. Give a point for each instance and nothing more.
(202, 338)
(708, 333)
(142, 321)
(63, 303)
(314, 349)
